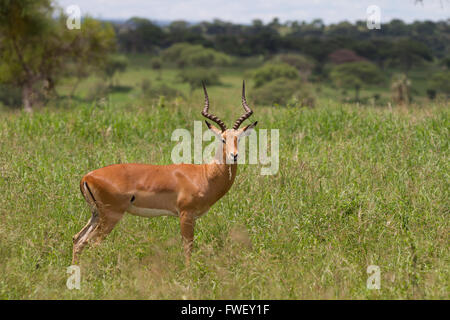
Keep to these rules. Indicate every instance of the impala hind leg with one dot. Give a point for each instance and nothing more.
(187, 223)
(92, 221)
(95, 231)
(80, 239)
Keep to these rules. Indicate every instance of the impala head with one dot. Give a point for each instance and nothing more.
(229, 137)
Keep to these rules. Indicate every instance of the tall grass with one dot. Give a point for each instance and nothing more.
(356, 187)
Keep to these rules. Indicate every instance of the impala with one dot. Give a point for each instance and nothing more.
(186, 191)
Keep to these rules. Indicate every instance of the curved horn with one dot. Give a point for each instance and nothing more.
(211, 116)
(248, 111)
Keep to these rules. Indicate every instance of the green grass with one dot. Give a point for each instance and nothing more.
(357, 186)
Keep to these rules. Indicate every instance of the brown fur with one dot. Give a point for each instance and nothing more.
(186, 190)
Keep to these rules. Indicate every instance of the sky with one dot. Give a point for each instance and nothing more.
(244, 11)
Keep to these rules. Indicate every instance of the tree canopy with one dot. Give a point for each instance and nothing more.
(355, 75)
(36, 47)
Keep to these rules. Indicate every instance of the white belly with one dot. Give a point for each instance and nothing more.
(147, 212)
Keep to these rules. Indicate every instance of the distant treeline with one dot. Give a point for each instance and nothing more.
(427, 39)
(38, 51)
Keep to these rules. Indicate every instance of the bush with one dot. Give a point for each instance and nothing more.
(173, 53)
(195, 77)
(441, 82)
(401, 89)
(10, 96)
(272, 71)
(156, 63)
(431, 94)
(154, 93)
(99, 90)
(445, 62)
(185, 54)
(355, 75)
(284, 91)
(114, 64)
(303, 64)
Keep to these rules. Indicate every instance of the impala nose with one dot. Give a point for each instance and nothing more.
(234, 156)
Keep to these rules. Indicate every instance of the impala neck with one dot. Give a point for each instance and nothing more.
(218, 171)
(220, 177)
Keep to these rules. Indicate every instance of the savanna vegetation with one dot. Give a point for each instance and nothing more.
(364, 122)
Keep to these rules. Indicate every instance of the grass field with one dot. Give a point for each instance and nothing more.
(357, 186)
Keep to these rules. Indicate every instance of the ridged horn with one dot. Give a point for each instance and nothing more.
(248, 111)
(206, 114)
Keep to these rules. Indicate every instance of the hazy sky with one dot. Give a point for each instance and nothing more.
(244, 11)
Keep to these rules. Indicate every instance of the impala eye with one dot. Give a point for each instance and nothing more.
(223, 140)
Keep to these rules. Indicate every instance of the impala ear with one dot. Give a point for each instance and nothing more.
(248, 129)
(216, 131)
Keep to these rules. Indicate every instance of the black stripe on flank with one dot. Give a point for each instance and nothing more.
(85, 183)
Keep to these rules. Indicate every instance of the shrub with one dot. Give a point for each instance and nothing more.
(431, 93)
(172, 53)
(207, 58)
(284, 91)
(401, 89)
(114, 64)
(445, 62)
(441, 82)
(156, 63)
(303, 64)
(98, 91)
(355, 75)
(10, 95)
(185, 54)
(272, 71)
(154, 93)
(195, 77)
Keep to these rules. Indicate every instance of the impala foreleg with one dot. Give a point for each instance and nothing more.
(187, 223)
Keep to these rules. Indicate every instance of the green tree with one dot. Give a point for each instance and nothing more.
(271, 71)
(94, 41)
(140, 35)
(114, 64)
(407, 53)
(23, 25)
(195, 77)
(303, 64)
(283, 91)
(441, 82)
(355, 75)
(37, 48)
(445, 62)
(185, 54)
(157, 66)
